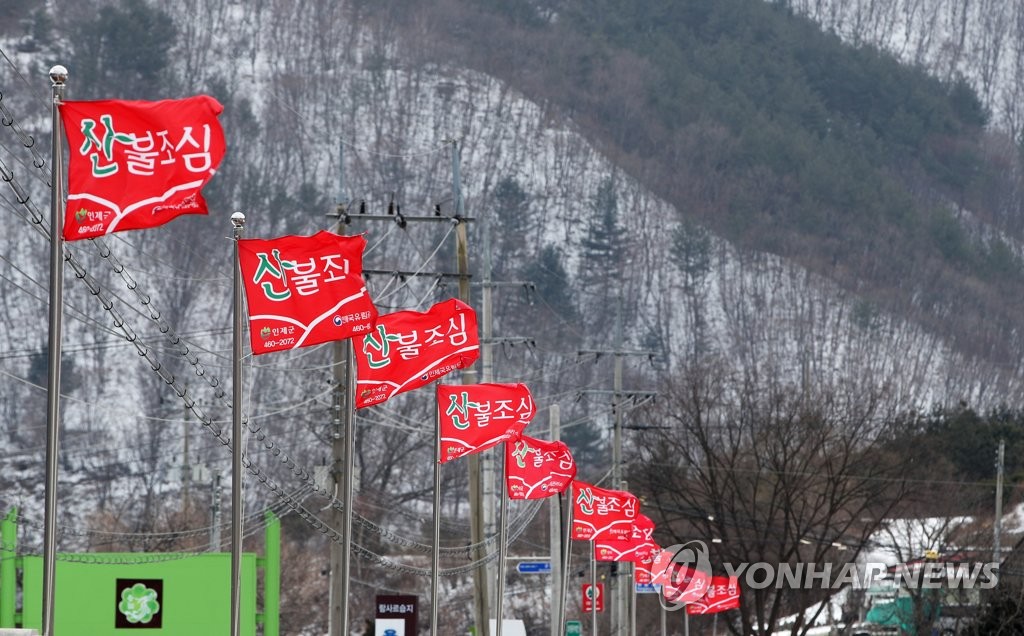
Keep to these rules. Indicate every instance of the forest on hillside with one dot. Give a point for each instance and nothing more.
(781, 137)
(812, 249)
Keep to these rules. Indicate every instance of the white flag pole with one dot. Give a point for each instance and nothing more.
(632, 602)
(502, 539)
(350, 476)
(237, 223)
(593, 588)
(436, 555)
(566, 551)
(58, 77)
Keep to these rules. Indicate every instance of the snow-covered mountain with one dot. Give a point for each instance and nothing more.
(321, 108)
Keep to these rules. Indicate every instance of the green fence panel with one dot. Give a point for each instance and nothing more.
(112, 594)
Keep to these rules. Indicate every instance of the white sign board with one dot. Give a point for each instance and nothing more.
(389, 627)
(509, 627)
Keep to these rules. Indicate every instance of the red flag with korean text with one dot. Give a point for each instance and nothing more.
(722, 594)
(601, 513)
(409, 349)
(644, 559)
(643, 573)
(136, 164)
(660, 566)
(632, 548)
(475, 417)
(304, 290)
(681, 583)
(685, 584)
(536, 468)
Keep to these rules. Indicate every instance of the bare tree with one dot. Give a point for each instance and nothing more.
(768, 473)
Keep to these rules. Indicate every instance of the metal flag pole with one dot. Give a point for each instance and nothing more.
(593, 589)
(686, 622)
(632, 601)
(566, 550)
(58, 77)
(502, 539)
(555, 535)
(349, 450)
(663, 625)
(237, 223)
(435, 557)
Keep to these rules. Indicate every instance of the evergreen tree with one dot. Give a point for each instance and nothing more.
(553, 294)
(602, 254)
(691, 253)
(511, 226)
(125, 52)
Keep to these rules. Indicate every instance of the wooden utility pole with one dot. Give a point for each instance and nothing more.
(342, 471)
(343, 418)
(618, 595)
(998, 525)
(481, 611)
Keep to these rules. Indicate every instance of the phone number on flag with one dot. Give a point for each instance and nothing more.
(283, 342)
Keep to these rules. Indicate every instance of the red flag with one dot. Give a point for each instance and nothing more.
(643, 573)
(680, 582)
(601, 513)
(633, 548)
(660, 570)
(408, 349)
(537, 468)
(643, 533)
(136, 164)
(684, 584)
(475, 417)
(304, 290)
(723, 594)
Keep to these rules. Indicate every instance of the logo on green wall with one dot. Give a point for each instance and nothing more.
(139, 604)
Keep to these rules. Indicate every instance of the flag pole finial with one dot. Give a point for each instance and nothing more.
(238, 220)
(58, 74)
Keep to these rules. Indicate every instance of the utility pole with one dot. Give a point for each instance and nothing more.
(215, 513)
(343, 419)
(617, 594)
(342, 468)
(186, 470)
(487, 458)
(477, 525)
(998, 525)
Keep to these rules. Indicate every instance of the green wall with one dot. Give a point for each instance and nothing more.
(196, 593)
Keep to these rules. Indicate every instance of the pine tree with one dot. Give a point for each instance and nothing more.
(553, 296)
(127, 45)
(602, 254)
(691, 251)
(512, 224)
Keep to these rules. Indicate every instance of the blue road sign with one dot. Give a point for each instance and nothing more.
(533, 567)
(647, 588)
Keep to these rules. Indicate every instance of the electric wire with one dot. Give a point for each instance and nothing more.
(37, 220)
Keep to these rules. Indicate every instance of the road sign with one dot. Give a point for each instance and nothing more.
(648, 588)
(402, 607)
(533, 567)
(573, 628)
(587, 607)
